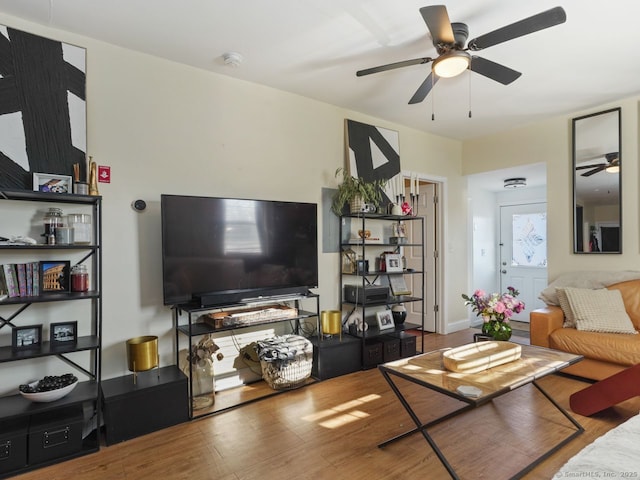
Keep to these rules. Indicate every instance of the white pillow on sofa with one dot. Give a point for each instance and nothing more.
(599, 310)
(569, 317)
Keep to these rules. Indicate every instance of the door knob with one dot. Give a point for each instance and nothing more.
(503, 271)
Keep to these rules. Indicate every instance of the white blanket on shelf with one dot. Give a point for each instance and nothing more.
(616, 454)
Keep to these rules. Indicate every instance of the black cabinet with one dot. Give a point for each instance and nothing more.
(20, 208)
(13, 444)
(157, 399)
(335, 356)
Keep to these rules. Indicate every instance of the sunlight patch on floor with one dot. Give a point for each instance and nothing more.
(335, 417)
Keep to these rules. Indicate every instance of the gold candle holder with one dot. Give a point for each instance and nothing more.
(142, 354)
(331, 322)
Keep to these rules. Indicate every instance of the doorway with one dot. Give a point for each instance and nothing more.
(523, 253)
(426, 259)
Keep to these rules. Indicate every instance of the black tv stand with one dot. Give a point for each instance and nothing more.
(188, 326)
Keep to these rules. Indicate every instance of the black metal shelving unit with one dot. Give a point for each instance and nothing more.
(370, 250)
(15, 407)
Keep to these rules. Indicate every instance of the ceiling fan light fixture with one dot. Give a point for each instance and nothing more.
(451, 64)
(612, 169)
(517, 182)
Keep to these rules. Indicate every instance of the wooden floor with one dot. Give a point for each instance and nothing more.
(330, 430)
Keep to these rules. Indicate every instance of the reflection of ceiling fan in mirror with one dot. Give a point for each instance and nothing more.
(453, 58)
(612, 165)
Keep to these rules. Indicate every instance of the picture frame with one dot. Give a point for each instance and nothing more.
(54, 276)
(28, 337)
(398, 285)
(393, 262)
(63, 333)
(362, 267)
(52, 183)
(385, 319)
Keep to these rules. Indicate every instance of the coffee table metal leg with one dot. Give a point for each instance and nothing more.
(420, 427)
(558, 446)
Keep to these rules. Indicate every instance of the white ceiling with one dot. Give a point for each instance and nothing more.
(313, 48)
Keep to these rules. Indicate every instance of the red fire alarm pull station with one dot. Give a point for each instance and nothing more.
(104, 174)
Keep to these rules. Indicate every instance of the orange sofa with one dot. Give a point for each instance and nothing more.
(604, 353)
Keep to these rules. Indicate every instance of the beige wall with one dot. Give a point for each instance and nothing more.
(550, 142)
(164, 127)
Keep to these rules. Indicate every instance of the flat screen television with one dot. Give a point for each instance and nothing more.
(225, 250)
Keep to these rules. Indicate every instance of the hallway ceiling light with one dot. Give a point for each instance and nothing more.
(517, 182)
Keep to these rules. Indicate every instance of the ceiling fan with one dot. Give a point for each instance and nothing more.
(612, 165)
(453, 57)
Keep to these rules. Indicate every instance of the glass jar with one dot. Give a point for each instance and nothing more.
(52, 220)
(79, 278)
(81, 223)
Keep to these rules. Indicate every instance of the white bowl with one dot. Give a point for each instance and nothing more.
(51, 395)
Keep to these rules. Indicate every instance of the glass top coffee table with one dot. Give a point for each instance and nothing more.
(477, 389)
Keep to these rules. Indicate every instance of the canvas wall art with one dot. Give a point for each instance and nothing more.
(42, 107)
(374, 154)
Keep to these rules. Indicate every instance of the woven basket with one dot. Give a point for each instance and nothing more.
(293, 372)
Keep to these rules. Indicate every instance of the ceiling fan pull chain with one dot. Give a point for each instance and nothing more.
(433, 99)
(469, 76)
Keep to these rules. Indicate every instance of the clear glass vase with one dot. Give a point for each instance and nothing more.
(497, 329)
(203, 381)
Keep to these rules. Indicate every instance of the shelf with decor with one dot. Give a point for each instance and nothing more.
(76, 344)
(373, 283)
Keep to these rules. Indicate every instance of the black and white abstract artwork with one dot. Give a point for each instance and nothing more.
(374, 154)
(43, 124)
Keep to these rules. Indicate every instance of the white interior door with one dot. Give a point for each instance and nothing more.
(416, 256)
(523, 253)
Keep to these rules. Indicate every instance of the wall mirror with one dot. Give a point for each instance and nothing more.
(597, 166)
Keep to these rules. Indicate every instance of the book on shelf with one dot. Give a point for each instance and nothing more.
(36, 277)
(20, 279)
(21, 271)
(10, 279)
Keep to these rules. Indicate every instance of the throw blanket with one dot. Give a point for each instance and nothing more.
(614, 455)
(590, 279)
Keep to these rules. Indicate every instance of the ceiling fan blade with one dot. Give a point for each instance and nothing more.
(546, 19)
(493, 70)
(584, 167)
(437, 20)
(594, 171)
(424, 89)
(391, 66)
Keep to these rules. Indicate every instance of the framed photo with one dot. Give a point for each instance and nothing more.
(63, 333)
(54, 276)
(385, 319)
(393, 262)
(51, 183)
(25, 338)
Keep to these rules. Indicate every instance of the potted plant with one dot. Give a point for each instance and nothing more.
(356, 191)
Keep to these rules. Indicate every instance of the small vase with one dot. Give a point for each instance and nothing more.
(399, 314)
(498, 330)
